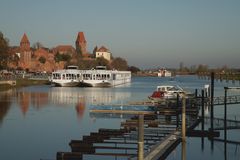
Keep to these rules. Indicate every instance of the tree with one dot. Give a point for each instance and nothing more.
(202, 68)
(100, 61)
(119, 64)
(37, 45)
(133, 69)
(42, 59)
(62, 57)
(181, 66)
(58, 57)
(94, 51)
(86, 64)
(4, 52)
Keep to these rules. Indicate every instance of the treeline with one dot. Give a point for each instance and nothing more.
(202, 68)
(117, 63)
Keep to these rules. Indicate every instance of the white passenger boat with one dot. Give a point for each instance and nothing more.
(99, 77)
(69, 77)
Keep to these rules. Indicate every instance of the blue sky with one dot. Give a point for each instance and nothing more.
(148, 33)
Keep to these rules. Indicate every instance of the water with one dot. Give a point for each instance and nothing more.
(38, 121)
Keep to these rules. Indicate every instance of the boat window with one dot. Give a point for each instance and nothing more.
(161, 89)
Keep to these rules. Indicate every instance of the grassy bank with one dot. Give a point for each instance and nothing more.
(23, 83)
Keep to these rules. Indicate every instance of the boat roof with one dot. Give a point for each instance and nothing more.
(169, 86)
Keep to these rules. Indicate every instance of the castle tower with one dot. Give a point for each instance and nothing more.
(25, 52)
(81, 43)
(24, 43)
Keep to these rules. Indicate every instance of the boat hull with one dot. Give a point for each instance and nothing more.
(102, 83)
(66, 84)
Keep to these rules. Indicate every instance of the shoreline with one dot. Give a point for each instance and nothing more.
(23, 83)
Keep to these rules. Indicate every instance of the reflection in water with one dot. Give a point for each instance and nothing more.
(5, 103)
(80, 108)
(61, 95)
(110, 115)
(23, 99)
(183, 150)
(37, 99)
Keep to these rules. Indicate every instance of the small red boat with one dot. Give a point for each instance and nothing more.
(156, 95)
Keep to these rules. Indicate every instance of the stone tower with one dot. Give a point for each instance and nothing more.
(25, 52)
(24, 43)
(81, 43)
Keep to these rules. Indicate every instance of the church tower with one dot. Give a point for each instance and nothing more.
(81, 44)
(24, 43)
(25, 52)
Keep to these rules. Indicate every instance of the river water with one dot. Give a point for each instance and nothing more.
(38, 121)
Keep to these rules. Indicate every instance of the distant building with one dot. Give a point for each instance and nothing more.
(25, 52)
(103, 52)
(81, 44)
(164, 73)
(64, 49)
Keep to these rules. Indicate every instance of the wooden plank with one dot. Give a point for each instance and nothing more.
(199, 133)
(161, 148)
(68, 156)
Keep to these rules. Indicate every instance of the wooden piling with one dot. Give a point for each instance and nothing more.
(202, 110)
(141, 137)
(212, 103)
(183, 118)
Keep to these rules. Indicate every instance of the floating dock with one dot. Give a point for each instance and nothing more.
(151, 133)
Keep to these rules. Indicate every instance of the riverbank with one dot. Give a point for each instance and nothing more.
(23, 83)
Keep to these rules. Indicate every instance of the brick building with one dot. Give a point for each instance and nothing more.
(81, 44)
(25, 54)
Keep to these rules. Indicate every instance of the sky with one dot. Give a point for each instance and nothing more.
(147, 33)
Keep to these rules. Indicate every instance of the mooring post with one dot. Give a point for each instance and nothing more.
(225, 121)
(212, 95)
(225, 112)
(183, 127)
(141, 137)
(203, 119)
(177, 113)
(196, 93)
(183, 118)
(202, 110)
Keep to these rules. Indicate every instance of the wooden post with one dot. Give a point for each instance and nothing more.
(203, 119)
(141, 137)
(177, 113)
(212, 105)
(183, 150)
(183, 118)
(202, 110)
(196, 93)
(225, 121)
(183, 127)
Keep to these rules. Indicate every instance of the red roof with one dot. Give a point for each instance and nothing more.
(102, 49)
(24, 39)
(64, 48)
(81, 38)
